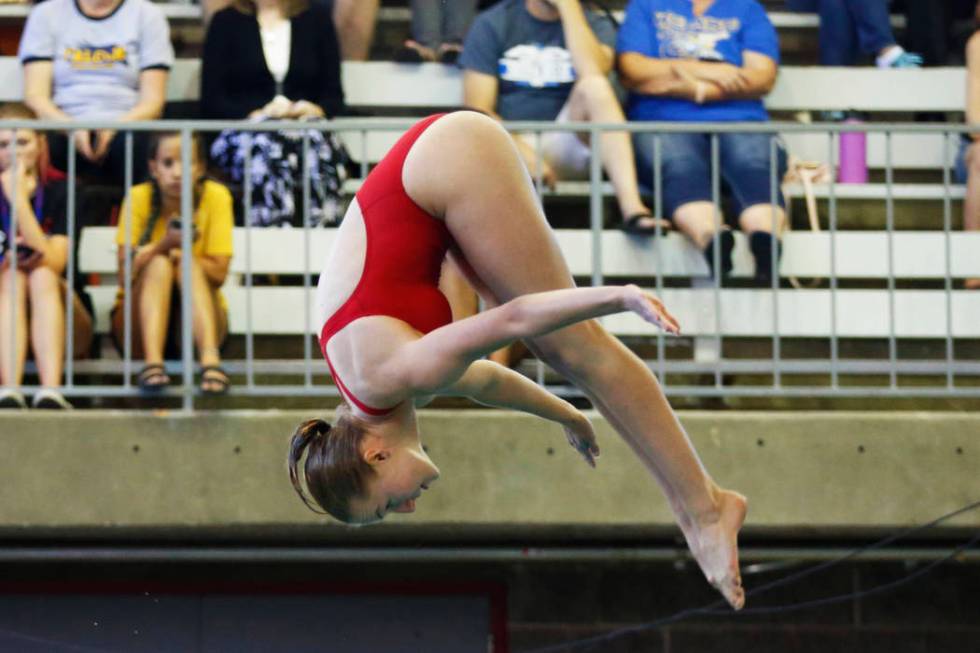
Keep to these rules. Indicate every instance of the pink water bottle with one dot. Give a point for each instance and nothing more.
(853, 155)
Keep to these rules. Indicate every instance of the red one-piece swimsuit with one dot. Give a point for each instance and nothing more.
(403, 258)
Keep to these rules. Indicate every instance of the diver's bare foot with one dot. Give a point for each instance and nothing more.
(713, 540)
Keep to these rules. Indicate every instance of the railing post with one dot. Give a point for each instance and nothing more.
(127, 282)
(774, 262)
(249, 288)
(890, 220)
(306, 162)
(11, 257)
(719, 223)
(658, 210)
(186, 261)
(832, 201)
(948, 276)
(595, 205)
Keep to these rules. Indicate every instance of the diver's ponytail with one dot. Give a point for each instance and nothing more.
(305, 433)
(334, 471)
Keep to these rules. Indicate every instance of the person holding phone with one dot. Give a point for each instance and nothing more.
(33, 290)
(155, 239)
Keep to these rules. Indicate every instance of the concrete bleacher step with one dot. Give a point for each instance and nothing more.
(745, 312)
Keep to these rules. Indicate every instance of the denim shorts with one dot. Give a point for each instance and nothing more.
(686, 168)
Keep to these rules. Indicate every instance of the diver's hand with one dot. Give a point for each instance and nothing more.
(579, 432)
(651, 309)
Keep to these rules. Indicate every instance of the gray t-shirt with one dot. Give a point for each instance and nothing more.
(97, 61)
(529, 58)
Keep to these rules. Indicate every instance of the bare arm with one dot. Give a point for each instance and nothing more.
(153, 95)
(215, 268)
(973, 82)
(440, 358)
(589, 55)
(698, 81)
(38, 77)
(495, 385)
(480, 92)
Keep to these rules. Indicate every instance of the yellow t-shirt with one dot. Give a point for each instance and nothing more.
(213, 219)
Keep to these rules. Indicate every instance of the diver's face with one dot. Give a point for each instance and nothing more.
(401, 476)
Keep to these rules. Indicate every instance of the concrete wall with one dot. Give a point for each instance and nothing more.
(801, 471)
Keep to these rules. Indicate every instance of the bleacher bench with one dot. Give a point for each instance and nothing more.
(745, 312)
(379, 84)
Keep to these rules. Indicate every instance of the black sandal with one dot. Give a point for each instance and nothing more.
(631, 225)
(153, 378)
(212, 379)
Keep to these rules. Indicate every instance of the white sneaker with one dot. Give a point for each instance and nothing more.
(12, 399)
(48, 398)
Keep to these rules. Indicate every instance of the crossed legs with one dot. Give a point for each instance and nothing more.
(593, 100)
(501, 232)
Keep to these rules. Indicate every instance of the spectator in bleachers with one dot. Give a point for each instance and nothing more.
(96, 60)
(437, 31)
(40, 196)
(850, 29)
(968, 161)
(155, 237)
(548, 60)
(702, 61)
(275, 60)
(354, 21)
(929, 28)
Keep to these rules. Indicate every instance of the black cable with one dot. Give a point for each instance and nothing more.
(879, 589)
(856, 552)
(712, 608)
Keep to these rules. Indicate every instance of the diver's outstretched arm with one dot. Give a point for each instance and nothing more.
(441, 357)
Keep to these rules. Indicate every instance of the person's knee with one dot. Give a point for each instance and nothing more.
(768, 218)
(593, 88)
(573, 349)
(5, 281)
(157, 271)
(42, 281)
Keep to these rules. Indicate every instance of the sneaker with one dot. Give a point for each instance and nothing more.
(12, 399)
(48, 398)
(897, 57)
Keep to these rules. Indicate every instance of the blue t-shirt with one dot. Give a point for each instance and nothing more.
(529, 58)
(668, 29)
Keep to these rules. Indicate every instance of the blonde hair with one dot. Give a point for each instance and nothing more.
(289, 7)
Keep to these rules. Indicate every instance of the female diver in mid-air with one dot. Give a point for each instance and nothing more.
(456, 183)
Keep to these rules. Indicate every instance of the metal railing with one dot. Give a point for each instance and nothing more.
(841, 373)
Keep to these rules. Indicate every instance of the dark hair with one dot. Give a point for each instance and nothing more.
(334, 470)
(153, 148)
